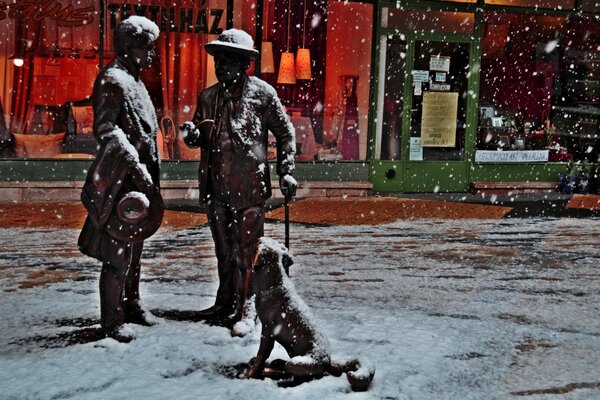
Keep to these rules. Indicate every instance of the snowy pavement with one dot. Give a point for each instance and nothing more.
(445, 309)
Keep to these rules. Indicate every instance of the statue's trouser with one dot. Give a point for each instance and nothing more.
(235, 233)
(119, 289)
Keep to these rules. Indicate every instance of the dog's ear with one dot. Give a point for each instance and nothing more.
(287, 261)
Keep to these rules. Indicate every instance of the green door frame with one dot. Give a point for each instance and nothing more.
(426, 176)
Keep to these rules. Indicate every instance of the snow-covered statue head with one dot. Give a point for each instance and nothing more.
(233, 51)
(134, 38)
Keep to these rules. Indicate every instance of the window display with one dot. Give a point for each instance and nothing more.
(51, 63)
(540, 86)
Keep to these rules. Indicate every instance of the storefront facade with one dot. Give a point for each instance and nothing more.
(491, 91)
(411, 96)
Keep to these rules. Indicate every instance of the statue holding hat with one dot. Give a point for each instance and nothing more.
(121, 193)
(230, 125)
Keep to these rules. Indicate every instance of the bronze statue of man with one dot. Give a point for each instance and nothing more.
(231, 124)
(121, 191)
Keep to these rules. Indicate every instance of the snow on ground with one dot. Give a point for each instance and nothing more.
(444, 309)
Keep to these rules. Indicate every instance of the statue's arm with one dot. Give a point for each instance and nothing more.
(285, 135)
(107, 101)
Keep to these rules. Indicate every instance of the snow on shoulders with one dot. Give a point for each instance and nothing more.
(260, 87)
(143, 24)
(116, 74)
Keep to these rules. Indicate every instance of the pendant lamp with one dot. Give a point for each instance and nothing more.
(303, 64)
(303, 70)
(287, 68)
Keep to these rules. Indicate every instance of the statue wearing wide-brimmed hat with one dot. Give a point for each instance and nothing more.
(121, 192)
(231, 124)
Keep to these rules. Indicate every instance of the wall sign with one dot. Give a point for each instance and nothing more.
(33, 10)
(171, 19)
(438, 122)
(511, 156)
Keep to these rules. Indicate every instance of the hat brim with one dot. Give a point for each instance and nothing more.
(217, 46)
(125, 231)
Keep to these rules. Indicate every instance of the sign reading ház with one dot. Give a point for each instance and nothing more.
(171, 19)
(517, 156)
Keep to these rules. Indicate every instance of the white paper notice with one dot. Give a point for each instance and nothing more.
(439, 63)
(418, 88)
(416, 151)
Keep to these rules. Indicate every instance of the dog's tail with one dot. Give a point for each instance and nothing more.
(359, 373)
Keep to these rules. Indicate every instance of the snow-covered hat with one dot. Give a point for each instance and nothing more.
(233, 41)
(136, 216)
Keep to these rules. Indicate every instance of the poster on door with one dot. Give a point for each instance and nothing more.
(438, 121)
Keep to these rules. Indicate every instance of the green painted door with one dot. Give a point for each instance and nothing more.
(423, 126)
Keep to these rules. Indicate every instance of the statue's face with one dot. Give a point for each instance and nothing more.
(229, 67)
(142, 52)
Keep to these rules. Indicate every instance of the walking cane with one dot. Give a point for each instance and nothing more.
(286, 207)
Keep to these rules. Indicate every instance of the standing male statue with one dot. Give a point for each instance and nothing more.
(231, 125)
(121, 191)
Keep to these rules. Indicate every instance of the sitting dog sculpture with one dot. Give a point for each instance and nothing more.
(286, 319)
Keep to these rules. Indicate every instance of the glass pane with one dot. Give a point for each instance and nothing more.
(59, 59)
(439, 101)
(330, 110)
(393, 99)
(560, 4)
(540, 86)
(428, 21)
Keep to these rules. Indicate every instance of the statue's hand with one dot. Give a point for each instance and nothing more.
(288, 185)
(189, 133)
(141, 177)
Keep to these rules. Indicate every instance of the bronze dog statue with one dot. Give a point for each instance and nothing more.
(287, 320)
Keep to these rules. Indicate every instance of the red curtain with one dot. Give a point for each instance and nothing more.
(181, 69)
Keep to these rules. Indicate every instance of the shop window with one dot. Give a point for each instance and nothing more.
(540, 88)
(329, 109)
(48, 61)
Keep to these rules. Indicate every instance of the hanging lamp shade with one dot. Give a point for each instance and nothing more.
(267, 65)
(303, 70)
(287, 69)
